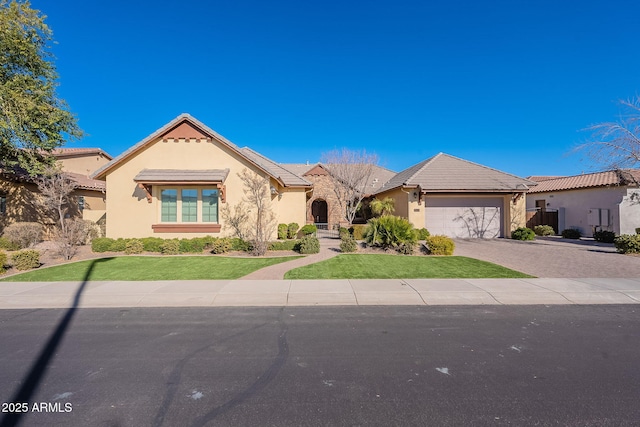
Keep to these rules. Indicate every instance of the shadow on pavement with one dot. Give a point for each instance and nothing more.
(34, 377)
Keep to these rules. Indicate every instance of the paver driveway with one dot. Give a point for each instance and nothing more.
(552, 257)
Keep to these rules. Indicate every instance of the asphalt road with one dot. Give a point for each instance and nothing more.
(348, 366)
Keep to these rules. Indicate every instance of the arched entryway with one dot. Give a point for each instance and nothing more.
(319, 211)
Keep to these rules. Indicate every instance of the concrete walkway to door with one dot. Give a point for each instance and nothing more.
(329, 247)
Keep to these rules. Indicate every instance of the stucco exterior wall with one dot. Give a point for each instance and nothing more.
(129, 213)
(576, 204)
(629, 211)
(401, 204)
(83, 164)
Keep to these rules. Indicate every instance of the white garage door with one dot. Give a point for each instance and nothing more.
(464, 217)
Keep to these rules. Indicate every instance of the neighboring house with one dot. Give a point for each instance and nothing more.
(18, 190)
(322, 206)
(607, 200)
(458, 198)
(176, 181)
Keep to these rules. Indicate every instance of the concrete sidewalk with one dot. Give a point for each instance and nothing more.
(227, 293)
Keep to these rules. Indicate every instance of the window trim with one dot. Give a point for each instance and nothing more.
(180, 226)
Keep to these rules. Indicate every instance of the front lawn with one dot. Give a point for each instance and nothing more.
(374, 266)
(150, 268)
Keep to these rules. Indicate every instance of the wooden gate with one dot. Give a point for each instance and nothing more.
(543, 217)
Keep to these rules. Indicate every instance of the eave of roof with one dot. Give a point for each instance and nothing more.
(592, 180)
(71, 152)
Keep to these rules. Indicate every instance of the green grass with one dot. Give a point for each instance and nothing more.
(150, 268)
(355, 266)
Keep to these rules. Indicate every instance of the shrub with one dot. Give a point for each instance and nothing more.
(309, 245)
(8, 245)
(638, 230)
(237, 244)
(152, 244)
(308, 229)
(342, 232)
(101, 244)
(571, 233)
(523, 233)
(292, 230)
(544, 230)
(282, 231)
(194, 245)
(422, 234)
(26, 260)
(3, 262)
(170, 247)
(440, 245)
(24, 234)
(221, 245)
(357, 231)
(134, 246)
(389, 232)
(118, 245)
(604, 236)
(348, 244)
(286, 245)
(406, 248)
(628, 243)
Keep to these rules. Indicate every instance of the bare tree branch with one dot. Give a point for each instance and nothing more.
(57, 193)
(616, 144)
(351, 172)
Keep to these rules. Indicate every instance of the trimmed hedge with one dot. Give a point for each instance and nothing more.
(309, 245)
(282, 231)
(357, 231)
(628, 243)
(134, 246)
(422, 234)
(8, 245)
(440, 245)
(308, 229)
(348, 244)
(26, 260)
(101, 244)
(292, 230)
(170, 247)
(3, 262)
(285, 245)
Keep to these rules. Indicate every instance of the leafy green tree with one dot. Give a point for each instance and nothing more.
(33, 119)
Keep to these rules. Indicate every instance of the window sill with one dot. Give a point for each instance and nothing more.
(186, 228)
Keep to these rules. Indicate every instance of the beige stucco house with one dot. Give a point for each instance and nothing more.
(175, 182)
(458, 198)
(607, 200)
(18, 191)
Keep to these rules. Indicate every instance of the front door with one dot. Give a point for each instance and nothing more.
(319, 211)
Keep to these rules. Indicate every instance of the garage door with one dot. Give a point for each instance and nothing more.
(464, 217)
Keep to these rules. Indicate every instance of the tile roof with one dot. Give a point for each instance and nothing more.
(379, 176)
(274, 169)
(68, 152)
(590, 180)
(83, 182)
(535, 178)
(443, 172)
(286, 177)
(182, 175)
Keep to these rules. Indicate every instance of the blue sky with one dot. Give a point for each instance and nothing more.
(507, 83)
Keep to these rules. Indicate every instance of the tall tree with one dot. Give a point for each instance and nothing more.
(351, 172)
(261, 220)
(616, 144)
(33, 119)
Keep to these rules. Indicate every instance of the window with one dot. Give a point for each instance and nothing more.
(190, 205)
(209, 205)
(3, 204)
(169, 202)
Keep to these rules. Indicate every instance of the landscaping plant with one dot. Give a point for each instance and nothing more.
(440, 245)
(523, 233)
(308, 229)
(26, 259)
(3, 262)
(604, 236)
(544, 230)
(24, 234)
(134, 246)
(282, 231)
(389, 232)
(628, 243)
(292, 230)
(348, 244)
(571, 233)
(309, 245)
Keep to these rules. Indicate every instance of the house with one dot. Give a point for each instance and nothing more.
(607, 200)
(176, 182)
(458, 198)
(18, 190)
(322, 204)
